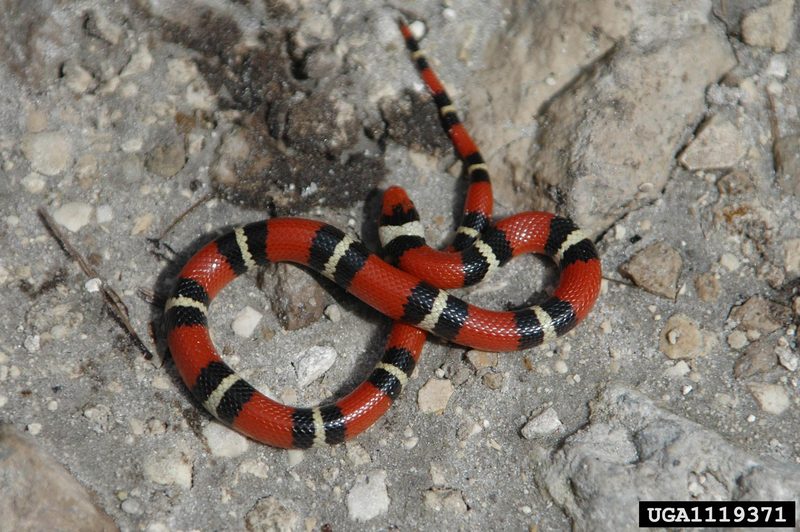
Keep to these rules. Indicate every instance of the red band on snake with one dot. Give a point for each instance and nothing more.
(412, 294)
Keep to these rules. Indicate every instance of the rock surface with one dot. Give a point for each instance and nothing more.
(37, 493)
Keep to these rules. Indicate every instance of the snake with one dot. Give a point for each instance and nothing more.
(409, 285)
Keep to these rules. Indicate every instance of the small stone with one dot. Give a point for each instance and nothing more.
(245, 322)
(298, 299)
(313, 363)
(760, 314)
(49, 152)
(679, 369)
(758, 358)
(791, 257)
(777, 67)
(729, 262)
(93, 285)
(357, 454)
(707, 286)
(34, 428)
(770, 25)
(771, 398)
(449, 500)
(77, 78)
(34, 183)
(168, 467)
(32, 343)
(368, 497)
(542, 425)
(737, 339)
(560, 366)
(271, 514)
(718, 145)
(256, 468)
(493, 380)
(140, 62)
(142, 223)
(167, 159)
(681, 338)
(434, 395)
(73, 215)
(482, 359)
(787, 160)
(655, 269)
(334, 313)
(223, 441)
(132, 506)
(294, 457)
(787, 358)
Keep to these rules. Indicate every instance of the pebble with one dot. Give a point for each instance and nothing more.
(758, 358)
(223, 441)
(93, 285)
(32, 343)
(729, 262)
(707, 287)
(769, 26)
(256, 468)
(791, 257)
(449, 500)
(34, 183)
(777, 67)
(142, 224)
(545, 423)
(787, 358)
(77, 78)
(368, 497)
(681, 338)
(168, 467)
(718, 145)
(167, 158)
(294, 457)
(771, 398)
(334, 313)
(656, 269)
(271, 514)
(482, 359)
(313, 363)
(132, 506)
(760, 314)
(34, 428)
(737, 339)
(73, 215)
(140, 62)
(357, 454)
(245, 322)
(560, 366)
(298, 299)
(49, 152)
(679, 369)
(434, 395)
(493, 380)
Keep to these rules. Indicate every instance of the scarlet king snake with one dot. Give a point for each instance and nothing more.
(411, 293)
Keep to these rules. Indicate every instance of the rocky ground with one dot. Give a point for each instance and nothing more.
(668, 130)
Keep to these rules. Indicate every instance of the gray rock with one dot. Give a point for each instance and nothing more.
(368, 497)
(270, 514)
(771, 25)
(650, 89)
(37, 493)
(633, 450)
(656, 268)
(298, 300)
(49, 152)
